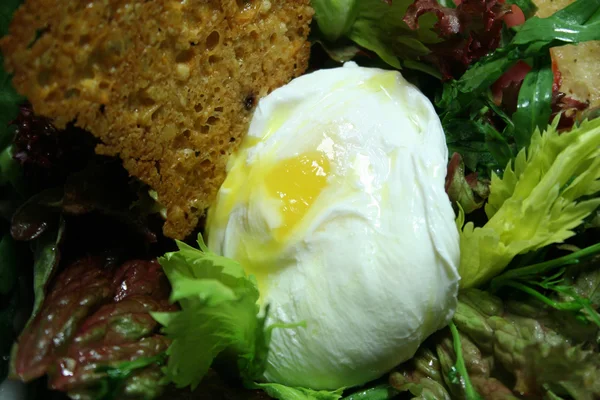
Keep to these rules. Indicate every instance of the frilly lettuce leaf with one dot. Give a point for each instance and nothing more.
(539, 201)
(219, 312)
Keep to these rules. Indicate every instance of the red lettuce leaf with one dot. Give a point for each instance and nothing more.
(80, 288)
(65, 176)
(82, 366)
(94, 318)
(568, 108)
(505, 90)
(470, 31)
(46, 154)
(36, 215)
(467, 191)
(118, 323)
(131, 279)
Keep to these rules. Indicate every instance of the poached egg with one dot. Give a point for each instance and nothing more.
(335, 202)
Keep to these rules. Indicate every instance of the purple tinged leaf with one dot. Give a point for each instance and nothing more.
(81, 366)
(78, 289)
(95, 318)
(36, 215)
(467, 191)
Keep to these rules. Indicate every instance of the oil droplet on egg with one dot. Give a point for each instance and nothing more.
(297, 182)
(385, 82)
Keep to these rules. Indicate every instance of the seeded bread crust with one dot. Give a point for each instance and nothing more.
(168, 86)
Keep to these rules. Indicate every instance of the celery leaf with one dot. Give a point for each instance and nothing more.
(219, 312)
(542, 196)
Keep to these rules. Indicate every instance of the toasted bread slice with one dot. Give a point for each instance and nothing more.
(167, 85)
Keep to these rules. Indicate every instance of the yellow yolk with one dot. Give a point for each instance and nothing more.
(292, 185)
(297, 182)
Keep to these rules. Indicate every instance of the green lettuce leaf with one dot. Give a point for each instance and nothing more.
(376, 26)
(283, 392)
(219, 312)
(334, 17)
(46, 255)
(534, 102)
(380, 392)
(540, 199)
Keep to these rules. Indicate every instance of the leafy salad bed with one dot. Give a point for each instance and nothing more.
(524, 177)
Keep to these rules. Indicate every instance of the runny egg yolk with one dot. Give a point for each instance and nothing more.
(297, 182)
(291, 186)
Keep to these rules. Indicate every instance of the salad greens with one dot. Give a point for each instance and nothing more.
(335, 17)
(10, 182)
(533, 39)
(460, 368)
(527, 279)
(532, 342)
(468, 192)
(46, 257)
(117, 377)
(377, 26)
(537, 202)
(93, 336)
(534, 102)
(218, 311)
(219, 316)
(466, 102)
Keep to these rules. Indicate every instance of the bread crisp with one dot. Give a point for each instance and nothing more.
(169, 86)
